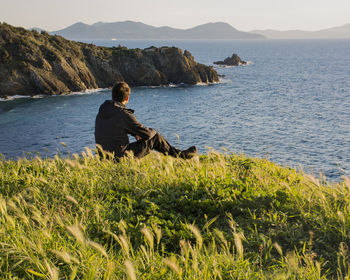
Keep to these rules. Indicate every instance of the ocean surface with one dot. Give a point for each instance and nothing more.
(290, 104)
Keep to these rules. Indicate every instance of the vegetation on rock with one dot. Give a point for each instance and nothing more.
(216, 216)
(32, 63)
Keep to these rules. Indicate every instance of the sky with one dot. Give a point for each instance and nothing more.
(245, 15)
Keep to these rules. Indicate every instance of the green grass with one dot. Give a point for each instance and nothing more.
(215, 216)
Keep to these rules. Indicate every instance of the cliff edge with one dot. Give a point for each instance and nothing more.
(32, 63)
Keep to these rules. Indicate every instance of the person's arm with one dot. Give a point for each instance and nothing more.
(136, 129)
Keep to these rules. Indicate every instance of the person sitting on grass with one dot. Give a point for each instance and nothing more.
(114, 122)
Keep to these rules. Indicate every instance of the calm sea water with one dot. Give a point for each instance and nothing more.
(291, 104)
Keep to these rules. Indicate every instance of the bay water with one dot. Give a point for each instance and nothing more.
(290, 104)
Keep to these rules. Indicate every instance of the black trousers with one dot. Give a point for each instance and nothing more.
(158, 142)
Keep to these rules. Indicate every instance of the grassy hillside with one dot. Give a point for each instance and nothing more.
(212, 217)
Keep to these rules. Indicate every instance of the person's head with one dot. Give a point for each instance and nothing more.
(121, 92)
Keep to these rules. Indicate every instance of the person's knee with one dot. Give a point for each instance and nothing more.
(158, 136)
(139, 149)
(156, 140)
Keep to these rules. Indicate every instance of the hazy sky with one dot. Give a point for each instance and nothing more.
(244, 15)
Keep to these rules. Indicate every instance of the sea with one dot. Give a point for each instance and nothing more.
(289, 104)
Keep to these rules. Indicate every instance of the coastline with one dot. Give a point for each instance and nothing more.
(92, 91)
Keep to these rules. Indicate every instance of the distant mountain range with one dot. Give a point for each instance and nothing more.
(139, 30)
(208, 31)
(330, 33)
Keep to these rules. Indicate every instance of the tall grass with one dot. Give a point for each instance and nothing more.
(216, 216)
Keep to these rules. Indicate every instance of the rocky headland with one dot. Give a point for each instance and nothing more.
(234, 60)
(33, 63)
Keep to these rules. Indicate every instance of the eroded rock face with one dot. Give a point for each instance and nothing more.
(33, 63)
(234, 60)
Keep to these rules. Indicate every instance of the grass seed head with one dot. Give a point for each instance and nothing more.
(124, 244)
(172, 264)
(72, 199)
(197, 234)
(3, 207)
(292, 262)
(221, 237)
(98, 248)
(238, 237)
(148, 236)
(278, 248)
(53, 271)
(77, 232)
(130, 270)
(158, 233)
(63, 255)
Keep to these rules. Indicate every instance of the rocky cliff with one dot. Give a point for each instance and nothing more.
(32, 63)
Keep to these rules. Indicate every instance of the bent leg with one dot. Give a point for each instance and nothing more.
(157, 142)
(139, 148)
(160, 144)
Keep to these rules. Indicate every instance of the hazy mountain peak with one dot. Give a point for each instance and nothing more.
(99, 23)
(79, 24)
(216, 25)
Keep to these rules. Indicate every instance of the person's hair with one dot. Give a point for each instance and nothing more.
(120, 92)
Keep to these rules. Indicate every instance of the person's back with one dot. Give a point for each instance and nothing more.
(108, 128)
(114, 122)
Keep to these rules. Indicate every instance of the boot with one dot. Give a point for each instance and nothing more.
(188, 153)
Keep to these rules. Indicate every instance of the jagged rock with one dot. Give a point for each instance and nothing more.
(234, 60)
(32, 63)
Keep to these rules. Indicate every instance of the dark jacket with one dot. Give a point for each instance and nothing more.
(113, 124)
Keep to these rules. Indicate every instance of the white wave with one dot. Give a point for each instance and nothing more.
(91, 91)
(205, 84)
(88, 91)
(224, 80)
(201, 84)
(188, 85)
(216, 66)
(13, 97)
(230, 66)
(226, 66)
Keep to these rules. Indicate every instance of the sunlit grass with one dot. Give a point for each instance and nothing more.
(215, 216)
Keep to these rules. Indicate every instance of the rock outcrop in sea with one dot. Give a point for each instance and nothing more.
(234, 60)
(32, 63)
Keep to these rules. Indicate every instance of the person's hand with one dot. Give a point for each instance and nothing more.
(138, 138)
